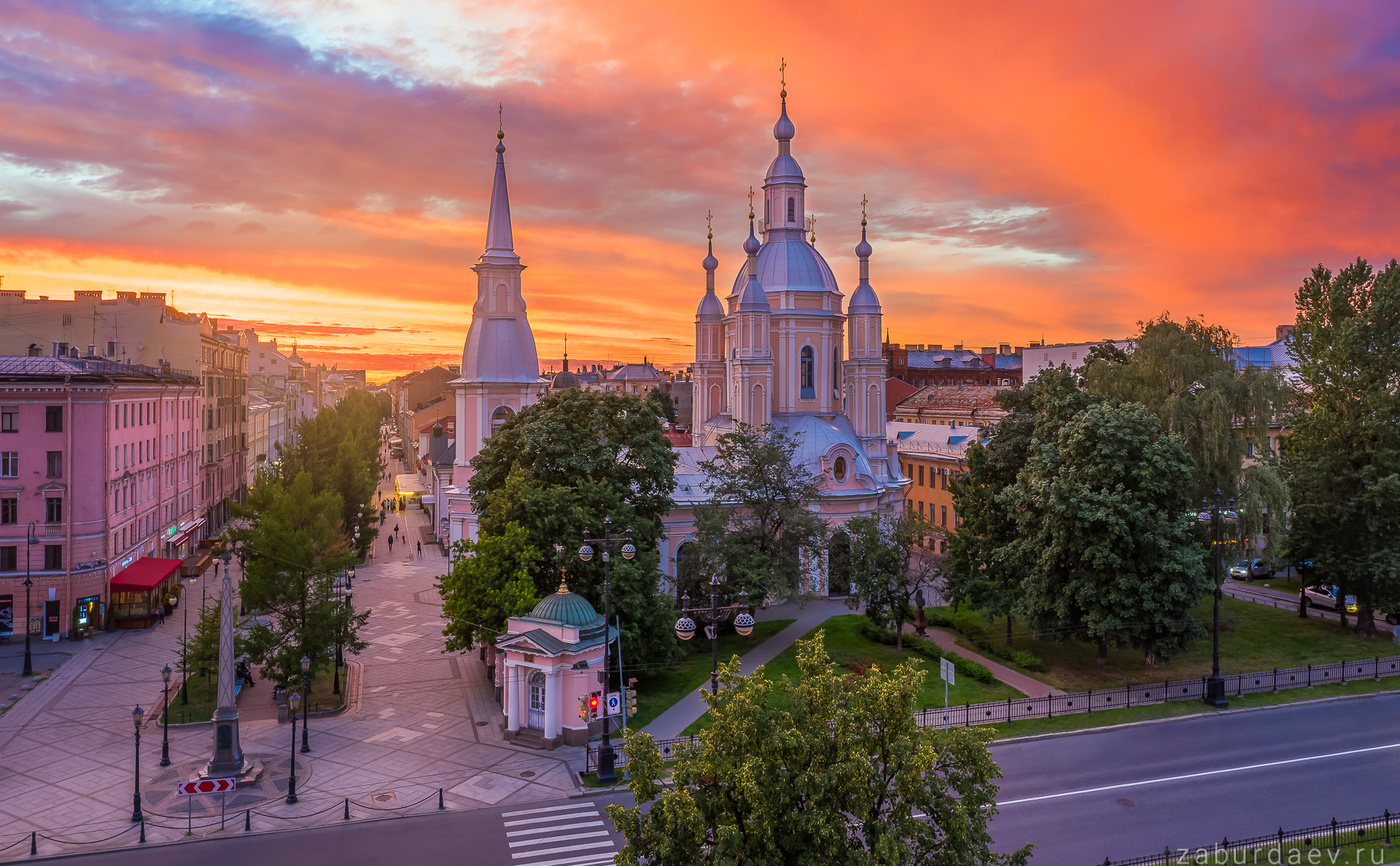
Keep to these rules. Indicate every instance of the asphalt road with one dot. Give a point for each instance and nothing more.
(1080, 798)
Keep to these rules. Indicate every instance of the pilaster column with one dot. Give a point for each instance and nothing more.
(551, 704)
(512, 697)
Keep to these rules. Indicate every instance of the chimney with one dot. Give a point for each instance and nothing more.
(1004, 349)
(935, 347)
(957, 347)
(35, 351)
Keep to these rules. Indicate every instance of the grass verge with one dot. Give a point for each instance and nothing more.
(204, 697)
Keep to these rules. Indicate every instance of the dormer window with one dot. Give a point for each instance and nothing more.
(838, 470)
(792, 210)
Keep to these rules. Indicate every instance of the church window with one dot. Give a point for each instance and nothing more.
(809, 373)
(836, 370)
(792, 210)
(838, 469)
(499, 417)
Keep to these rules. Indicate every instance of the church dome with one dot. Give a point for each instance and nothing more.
(566, 607)
(789, 263)
(863, 300)
(710, 308)
(563, 379)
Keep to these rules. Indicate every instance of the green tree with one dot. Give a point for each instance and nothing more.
(202, 648)
(489, 583)
(980, 567)
(1343, 454)
(1185, 373)
(824, 770)
(295, 548)
(891, 563)
(756, 527)
(1104, 539)
(339, 448)
(561, 466)
(660, 401)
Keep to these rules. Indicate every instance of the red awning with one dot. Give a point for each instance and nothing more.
(144, 574)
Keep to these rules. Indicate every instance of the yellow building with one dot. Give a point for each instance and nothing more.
(930, 455)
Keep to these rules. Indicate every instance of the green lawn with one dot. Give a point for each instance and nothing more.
(204, 697)
(846, 644)
(1253, 637)
(658, 690)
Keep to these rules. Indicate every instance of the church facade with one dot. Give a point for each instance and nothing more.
(784, 347)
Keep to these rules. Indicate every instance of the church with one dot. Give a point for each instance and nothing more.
(780, 349)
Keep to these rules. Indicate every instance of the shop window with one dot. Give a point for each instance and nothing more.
(53, 509)
(9, 419)
(9, 464)
(9, 558)
(53, 557)
(54, 463)
(9, 510)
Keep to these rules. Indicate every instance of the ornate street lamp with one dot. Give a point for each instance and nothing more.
(29, 542)
(713, 617)
(607, 774)
(138, 715)
(165, 673)
(1215, 515)
(306, 705)
(184, 654)
(339, 642)
(292, 700)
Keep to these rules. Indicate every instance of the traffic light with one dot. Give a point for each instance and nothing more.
(630, 700)
(583, 708)
(593, 706)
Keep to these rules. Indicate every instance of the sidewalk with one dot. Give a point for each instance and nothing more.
(1029, 686)
(684, 712)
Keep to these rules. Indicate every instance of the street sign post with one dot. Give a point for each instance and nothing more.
(196, 787)
(614, 705)
(947, 672)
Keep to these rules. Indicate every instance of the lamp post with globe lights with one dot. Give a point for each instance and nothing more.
(292, 700)
(29, 541)
(607, 773)
(306, 704)
(713, 617)
(1216, 515)
(165, 673)
(138, 716)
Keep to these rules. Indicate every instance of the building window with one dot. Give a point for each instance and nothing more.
(53, 510)
(9, 419)
(792, 210)
(943, 479)
(53, 419)
(54, 463)
(943, 515)
(9, 558)
(53, 557)
(921, 511)
(809, 373)
(9, 510)
(9, 464)
(921, 475)
(499, 417)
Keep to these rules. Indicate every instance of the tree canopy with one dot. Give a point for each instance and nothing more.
(891, 563)
(1343, 455)
(561, 466)
(489, 583)
(829, 769)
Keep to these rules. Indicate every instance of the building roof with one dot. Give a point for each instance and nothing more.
(568, 608)
(634, 373)
(953, 397)
(23, 366)
(953, 359)
(943, 439)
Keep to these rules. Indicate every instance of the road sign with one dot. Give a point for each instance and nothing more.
(947, 671)
(208, 786)
(614, 703)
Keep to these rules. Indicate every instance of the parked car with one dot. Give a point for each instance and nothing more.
(1326, 596)
(1248, 569)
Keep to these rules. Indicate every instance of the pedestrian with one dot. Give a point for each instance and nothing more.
(161, 610)
(420, 550)
(391, 544)
(396, 529)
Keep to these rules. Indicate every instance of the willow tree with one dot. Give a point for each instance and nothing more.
(1185, 374)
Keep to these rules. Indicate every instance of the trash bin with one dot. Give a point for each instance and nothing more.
(282, 713)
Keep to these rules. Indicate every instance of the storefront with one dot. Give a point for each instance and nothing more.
(409, 491)
(139, 591)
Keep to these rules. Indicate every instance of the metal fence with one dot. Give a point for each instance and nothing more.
(667, 748)
(1049, 706)
(1357, 831)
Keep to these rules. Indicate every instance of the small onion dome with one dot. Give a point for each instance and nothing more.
(685, 628)
(783, 130)
(751, 243)
(437, 429)
(863, 250)
(710, 262)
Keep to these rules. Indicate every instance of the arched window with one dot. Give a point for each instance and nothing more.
(792, 210)
(499, 417)
(502, 298)
(838, 469)
(838, 580)
(836, 371)
(809, 373)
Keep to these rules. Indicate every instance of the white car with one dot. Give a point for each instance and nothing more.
(1326, 596)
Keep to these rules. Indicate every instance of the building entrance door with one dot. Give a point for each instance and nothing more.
(535, 718)
(50, 618)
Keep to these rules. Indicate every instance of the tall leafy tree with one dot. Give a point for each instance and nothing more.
(489, 583)
(295, 548)
(561, 466)
(824, 770)
(1185, 373)
(661, 402)
(757, 527)
(1104, 537)
(891, 563)
(1343, 454)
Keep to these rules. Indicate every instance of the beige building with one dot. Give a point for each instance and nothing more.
(952, 405)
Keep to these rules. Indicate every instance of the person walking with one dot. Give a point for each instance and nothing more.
(391, 545)
(420, 550)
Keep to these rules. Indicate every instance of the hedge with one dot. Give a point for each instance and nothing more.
(928, 649)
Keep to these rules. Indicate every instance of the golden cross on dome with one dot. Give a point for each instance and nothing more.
(500, 117)
(813, 226)
(782, 70)
(750, 202)
(863, 202)
(709, 227)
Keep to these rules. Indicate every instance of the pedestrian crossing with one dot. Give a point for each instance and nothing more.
(579, 834)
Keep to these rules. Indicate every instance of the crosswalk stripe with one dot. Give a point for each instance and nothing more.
(582, 846)
(525, 843)
(523, 821)
(553, 829)
(517, 814)
(582, 860)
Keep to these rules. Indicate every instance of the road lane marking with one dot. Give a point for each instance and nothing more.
(553, 827)
(518, 813)
(598, 858)
(582, 846)
(523, 821)
(526, 843)
(1202, 774)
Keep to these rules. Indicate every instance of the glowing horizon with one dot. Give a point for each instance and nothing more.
(321, 169)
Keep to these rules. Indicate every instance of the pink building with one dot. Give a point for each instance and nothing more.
(98, 470)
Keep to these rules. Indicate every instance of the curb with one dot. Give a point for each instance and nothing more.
(1030, 738)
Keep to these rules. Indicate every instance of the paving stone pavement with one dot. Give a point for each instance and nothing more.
(418, 721)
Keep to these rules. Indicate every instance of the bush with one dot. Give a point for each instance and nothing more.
(970, 625)
(929, 650)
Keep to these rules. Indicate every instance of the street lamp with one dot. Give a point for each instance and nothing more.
(607, 773)
(292, 700)
(713, 617)
(1215, 515)
(305, 707)
(339, 640)
(138, 715)
(165, 673)
(29, 542)
(184, 655)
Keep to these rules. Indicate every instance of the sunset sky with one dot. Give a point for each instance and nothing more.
(1061, 170)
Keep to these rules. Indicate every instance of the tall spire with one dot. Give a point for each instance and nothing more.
(500, 245)
(783, 130)
(710, 307)
(863, 300)
(752, 297)
(566, 353)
